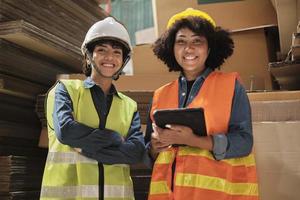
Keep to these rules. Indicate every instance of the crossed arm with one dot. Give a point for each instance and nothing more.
(104, 145)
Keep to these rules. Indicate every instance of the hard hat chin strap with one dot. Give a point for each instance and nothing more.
(90, 59)
(117, 74)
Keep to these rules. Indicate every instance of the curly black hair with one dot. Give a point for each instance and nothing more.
(86, 68)
(219, 42)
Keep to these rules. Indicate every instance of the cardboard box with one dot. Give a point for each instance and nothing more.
(286, 110)
(277, 152)
(234, 15)
(275, 95)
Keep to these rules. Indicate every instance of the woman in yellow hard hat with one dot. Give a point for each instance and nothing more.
(220, 165)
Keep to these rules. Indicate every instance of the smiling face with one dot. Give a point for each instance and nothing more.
(191, 52)
(108, 60)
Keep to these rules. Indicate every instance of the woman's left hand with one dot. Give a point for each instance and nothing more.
(177, 134)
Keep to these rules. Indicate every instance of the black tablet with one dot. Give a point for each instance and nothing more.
(191, 117)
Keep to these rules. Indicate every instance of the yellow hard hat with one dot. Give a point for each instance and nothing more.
(190, 12)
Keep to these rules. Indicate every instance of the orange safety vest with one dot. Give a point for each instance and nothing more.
(197, 174)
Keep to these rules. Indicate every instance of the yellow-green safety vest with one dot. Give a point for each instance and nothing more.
(70, 175)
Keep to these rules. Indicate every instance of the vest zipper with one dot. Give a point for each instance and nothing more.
(173, 173)
(101, 181)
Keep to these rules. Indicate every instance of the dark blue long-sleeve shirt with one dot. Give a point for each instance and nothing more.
(103, 145)
(238, 141)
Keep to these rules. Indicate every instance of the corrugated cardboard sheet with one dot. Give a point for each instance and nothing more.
(277, 153)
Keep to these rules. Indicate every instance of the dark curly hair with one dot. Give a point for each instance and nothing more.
(86, 68)
(219, 42)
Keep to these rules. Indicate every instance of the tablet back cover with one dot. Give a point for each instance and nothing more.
(191, 117)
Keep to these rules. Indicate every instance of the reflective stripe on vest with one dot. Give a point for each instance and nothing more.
(70, 174)
(217, 184)
(198, 175)
(68, 157)
(86, 191)
(110, 191)
(72, 158)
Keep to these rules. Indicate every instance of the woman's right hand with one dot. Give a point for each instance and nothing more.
(156, 145)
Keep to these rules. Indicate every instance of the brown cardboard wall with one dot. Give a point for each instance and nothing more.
(250, 59)
(145, 62)
(232, 15)
(149, 72)
(143, 82)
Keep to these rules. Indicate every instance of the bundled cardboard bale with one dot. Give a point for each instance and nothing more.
(31, 37)
(20, 177)
(60, 18)
(29, 65)
(20, 86)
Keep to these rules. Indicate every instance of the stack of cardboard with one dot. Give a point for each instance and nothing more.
(37, 43)
(141, 177)
(19, 174)
(276, 124)
(54, 28)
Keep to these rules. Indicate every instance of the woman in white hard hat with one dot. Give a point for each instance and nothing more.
(94, 130)
(218, 166)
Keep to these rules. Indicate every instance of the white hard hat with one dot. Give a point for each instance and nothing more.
(107, 28)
